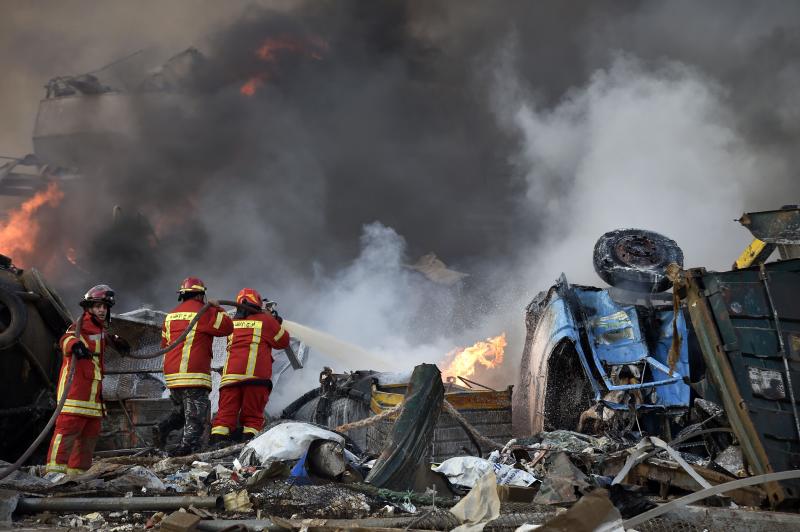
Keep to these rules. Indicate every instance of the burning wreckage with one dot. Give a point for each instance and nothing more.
(632, 404)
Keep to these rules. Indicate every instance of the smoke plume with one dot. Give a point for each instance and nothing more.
(313, 150)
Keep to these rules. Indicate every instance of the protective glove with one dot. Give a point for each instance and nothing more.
(80, 351)
(120, 344)
(276, 316)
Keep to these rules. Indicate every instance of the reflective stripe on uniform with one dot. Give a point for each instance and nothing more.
(222, 431)
(73, 471)
(98, 375)
(279, 334)
(82, 411)
(252, 353)
(62, 380)
(65, 342)
(249, 430)
(187, 342)
(52, 465)
(234, 377)
(175, 380)
(218, 321)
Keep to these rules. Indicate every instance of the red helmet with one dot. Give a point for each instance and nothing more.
(101, 293)
(192, 284)
(248, 295)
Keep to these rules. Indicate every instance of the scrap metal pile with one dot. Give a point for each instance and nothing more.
(300, 475)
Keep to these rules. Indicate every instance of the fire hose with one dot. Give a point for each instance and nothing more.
(16, 465)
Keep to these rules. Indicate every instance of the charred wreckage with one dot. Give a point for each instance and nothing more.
(632, 403)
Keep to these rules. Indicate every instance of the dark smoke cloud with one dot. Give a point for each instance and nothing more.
(496, 134)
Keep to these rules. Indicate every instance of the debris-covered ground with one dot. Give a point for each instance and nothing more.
(302, 476)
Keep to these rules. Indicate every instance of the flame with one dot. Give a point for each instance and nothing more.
(271, 49)
(312, 47)
(251, 85)
(463, 362)
(72, 256)
(19, 233)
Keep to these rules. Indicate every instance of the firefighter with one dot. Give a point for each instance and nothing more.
(187, 367)
(78, 424)
(246, 378)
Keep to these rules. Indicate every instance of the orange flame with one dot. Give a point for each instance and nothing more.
(463, 362)
(272, 47)
(19, 234)
(312, 47)
(72, 256)
(251, 85)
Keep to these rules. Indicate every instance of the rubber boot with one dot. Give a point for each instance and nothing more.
(180, 450)
(218, 441)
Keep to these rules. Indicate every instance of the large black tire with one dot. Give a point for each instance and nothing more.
(635, 259)
(53, 311)
(13, 318)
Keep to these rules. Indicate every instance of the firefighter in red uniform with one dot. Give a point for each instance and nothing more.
(78, 424)
(246, 377)
(187, 367)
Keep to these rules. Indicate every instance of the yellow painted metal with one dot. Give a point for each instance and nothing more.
(757, 251)
(461, 400)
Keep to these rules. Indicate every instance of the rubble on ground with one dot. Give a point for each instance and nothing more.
(301, 476)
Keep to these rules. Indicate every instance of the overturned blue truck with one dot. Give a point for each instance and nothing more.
(634, 358)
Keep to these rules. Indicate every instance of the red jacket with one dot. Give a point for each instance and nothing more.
(85, 396)
(250, 348)
(188, 364)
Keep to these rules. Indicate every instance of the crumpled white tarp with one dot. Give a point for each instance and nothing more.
(287, 441)
(466, 470)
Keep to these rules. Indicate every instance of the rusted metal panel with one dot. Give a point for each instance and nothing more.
(732, 313)
(774, 227)
(671, 474)
(488, 411)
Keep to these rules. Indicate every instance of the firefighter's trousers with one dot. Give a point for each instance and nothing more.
(243, 403)
(73, 443)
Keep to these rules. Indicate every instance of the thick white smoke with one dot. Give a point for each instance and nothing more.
(373, 303)
(651, 147)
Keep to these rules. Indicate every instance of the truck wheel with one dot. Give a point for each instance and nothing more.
(635, 259)
(13, 318)
(50, 307)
